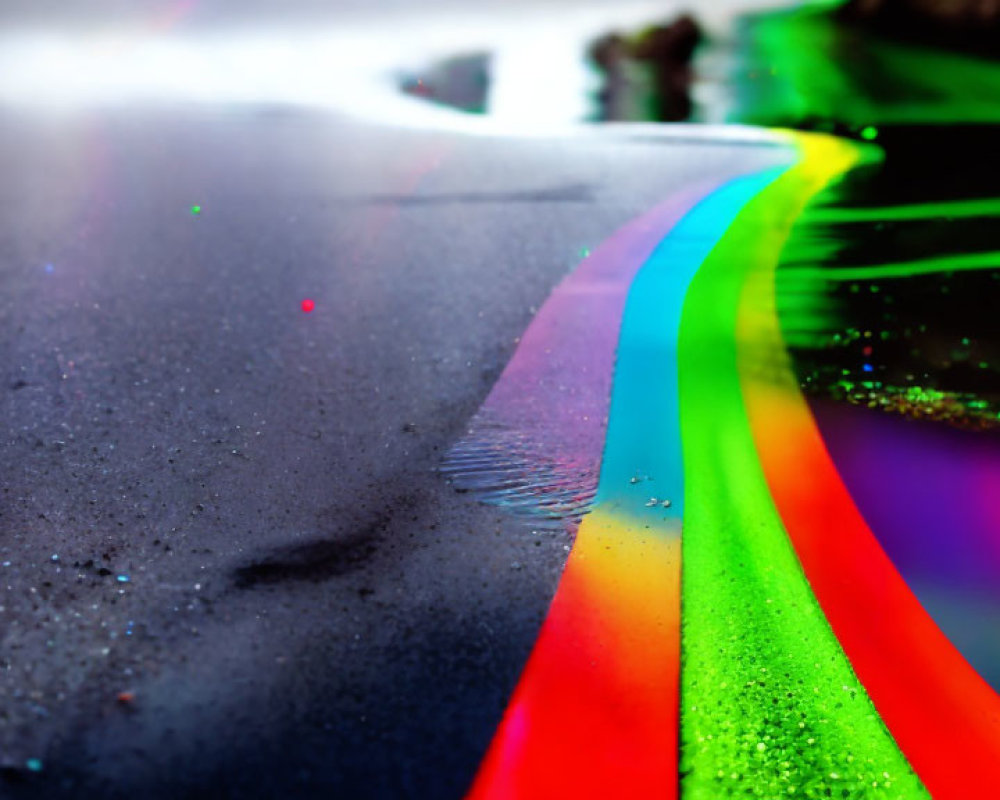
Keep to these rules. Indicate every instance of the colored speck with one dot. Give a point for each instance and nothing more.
(34, 764)
(867, 367)
(308, 305)
(196, 210)
(584, 252)
(49, 269)
(123, 579)
(869, 132)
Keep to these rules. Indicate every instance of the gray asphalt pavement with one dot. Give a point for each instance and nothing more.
(227, 509)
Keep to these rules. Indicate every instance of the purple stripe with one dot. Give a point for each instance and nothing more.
(559, 380)
(931, 495)
(536, 443)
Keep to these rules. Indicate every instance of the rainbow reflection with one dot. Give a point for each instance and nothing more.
(801, 664)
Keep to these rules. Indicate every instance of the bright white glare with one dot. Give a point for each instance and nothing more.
(518, 91)
(539, 77)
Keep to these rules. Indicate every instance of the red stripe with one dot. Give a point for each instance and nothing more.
(943, 715)
(595, 712)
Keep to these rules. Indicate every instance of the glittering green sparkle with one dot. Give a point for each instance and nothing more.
(794, 70)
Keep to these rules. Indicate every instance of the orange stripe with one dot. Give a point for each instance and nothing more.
(943, 715)
(595, 712)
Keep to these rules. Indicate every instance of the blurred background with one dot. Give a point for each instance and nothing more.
(260, 264)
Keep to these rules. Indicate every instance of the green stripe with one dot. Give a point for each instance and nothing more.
(770, 706)
(956, 209)
(963, 262)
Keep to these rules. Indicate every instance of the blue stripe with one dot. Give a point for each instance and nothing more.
(642, 451)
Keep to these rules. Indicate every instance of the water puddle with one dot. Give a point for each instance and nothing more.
(886, 289)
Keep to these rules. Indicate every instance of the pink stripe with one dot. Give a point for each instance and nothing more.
(557, 387)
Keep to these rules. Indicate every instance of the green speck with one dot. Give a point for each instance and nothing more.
(869, 132)
(196, 210)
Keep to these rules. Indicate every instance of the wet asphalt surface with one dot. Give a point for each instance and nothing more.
(227, 509)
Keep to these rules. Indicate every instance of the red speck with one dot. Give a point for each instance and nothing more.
(867, 350)
(308, 305)
(126, 698)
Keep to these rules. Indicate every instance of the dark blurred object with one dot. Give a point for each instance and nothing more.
(609, 53)
(966, 25)
(666, 51)
(668, 44)
(461, 81)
